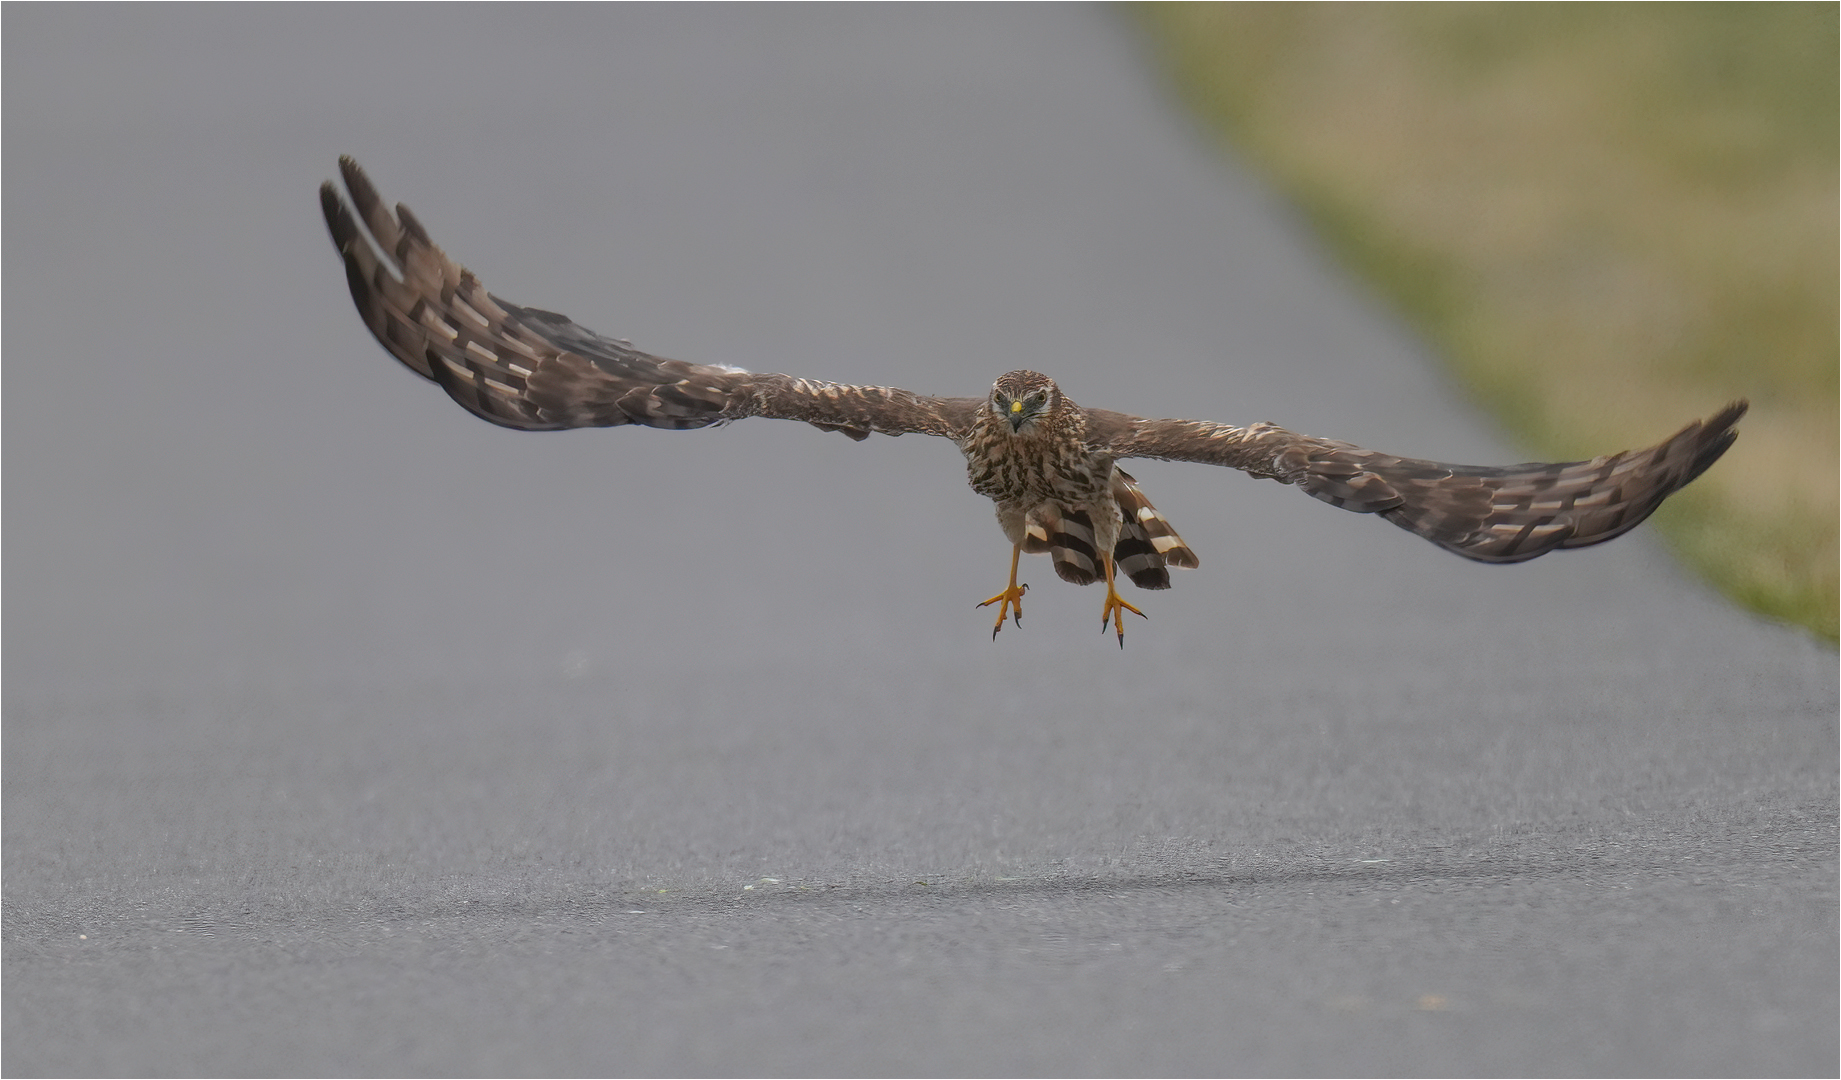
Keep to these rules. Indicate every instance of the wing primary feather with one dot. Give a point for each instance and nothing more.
(536, 370)
(1490, 514)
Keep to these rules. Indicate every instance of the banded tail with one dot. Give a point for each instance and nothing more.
(1146, 547)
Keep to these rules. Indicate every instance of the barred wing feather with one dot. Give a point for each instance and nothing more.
(1497, 515)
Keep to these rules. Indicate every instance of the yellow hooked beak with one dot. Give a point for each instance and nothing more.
(1016, 406)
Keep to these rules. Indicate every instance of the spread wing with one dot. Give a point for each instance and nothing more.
(1498, 515)
(539, 371)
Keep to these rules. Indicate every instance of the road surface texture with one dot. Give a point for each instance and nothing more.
(348, 734)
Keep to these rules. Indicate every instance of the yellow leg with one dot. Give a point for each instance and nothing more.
(1116, 607)
(1010, 601)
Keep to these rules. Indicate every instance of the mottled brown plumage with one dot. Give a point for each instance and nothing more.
(1048, 464)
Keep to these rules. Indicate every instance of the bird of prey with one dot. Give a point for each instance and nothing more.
(1051, 466)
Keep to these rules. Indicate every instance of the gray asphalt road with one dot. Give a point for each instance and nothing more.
(347, 734)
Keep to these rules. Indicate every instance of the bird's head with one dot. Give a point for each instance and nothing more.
(1024, 398)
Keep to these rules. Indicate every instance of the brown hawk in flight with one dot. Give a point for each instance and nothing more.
(1050, 465)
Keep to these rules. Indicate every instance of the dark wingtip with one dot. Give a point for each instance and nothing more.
(1729, 415)
(1716, 436)
(412, 226)
(330, 203)
(353, 173)
(339, 221)
(338, 213)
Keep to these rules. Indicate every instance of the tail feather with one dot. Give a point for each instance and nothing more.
(1067, 536)
(1146, 546)
(1148, 543)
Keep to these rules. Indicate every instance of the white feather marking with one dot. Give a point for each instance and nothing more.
(519, 347)
(461, 307)
(441, 326)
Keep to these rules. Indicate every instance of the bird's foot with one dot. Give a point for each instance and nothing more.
(1010, 602)
(1114, 611)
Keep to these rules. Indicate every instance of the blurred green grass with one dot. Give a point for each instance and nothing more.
(1609, 218)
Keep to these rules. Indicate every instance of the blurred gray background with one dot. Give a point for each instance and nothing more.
(348, 734)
